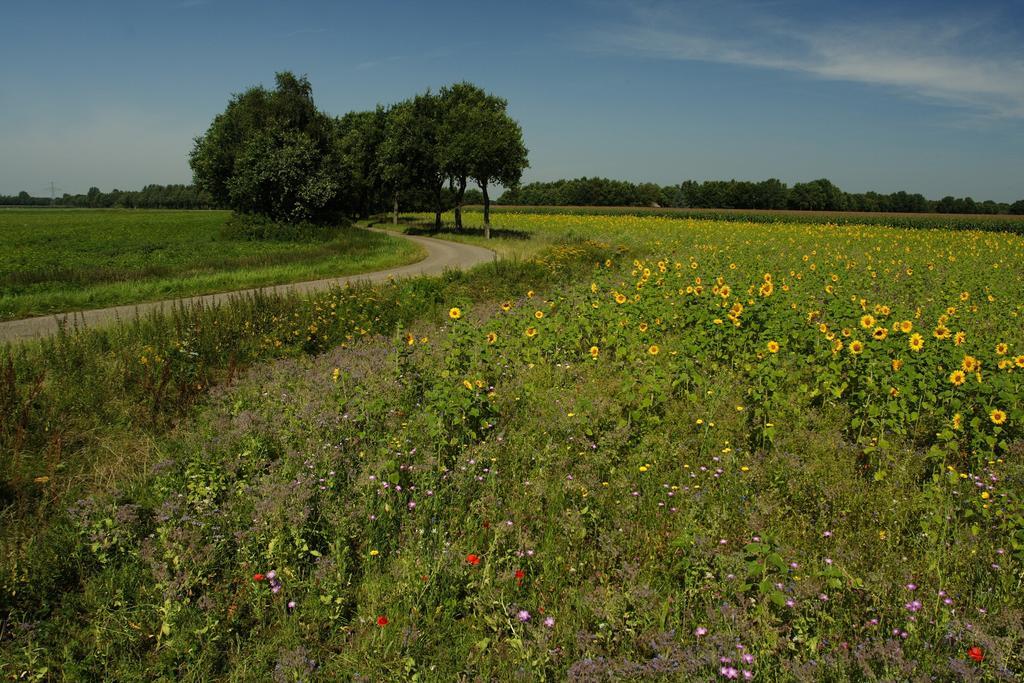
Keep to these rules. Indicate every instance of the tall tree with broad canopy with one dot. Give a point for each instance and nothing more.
(479, 141)
(271, 152)
(358, 138)
(410, 153)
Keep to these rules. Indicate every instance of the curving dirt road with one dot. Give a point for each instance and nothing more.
(441, 256)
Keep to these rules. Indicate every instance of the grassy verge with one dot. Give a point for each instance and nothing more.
(67, 260)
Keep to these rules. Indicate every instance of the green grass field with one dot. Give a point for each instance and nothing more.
(643, 449)
(68, 259)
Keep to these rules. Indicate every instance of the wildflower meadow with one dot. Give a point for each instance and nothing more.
(638, 448)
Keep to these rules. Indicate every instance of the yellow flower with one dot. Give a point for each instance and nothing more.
(985, 495)
(466, 383)
(506, 306)
(906, 326)
(957, 377)
(867, 321)
(538, 314)
(530, 294)
(897, 364)
(1001, 349)
(620, 298)
(335, 374)
(916, 342)
(970, 364)
(531, 332)
(959, 338)
(653, 349)
(643, 327)
(492, 337)
(643, 468)
(594, 351)
(374, 553)
(1019, 361)
(880, 333)
(454, 313)
(410, 339)
(997, 416)
(958, 422)
(773, 346)
(856, 347)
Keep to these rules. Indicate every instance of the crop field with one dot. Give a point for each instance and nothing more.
(994, 222)
(66, 259)
(638, 448)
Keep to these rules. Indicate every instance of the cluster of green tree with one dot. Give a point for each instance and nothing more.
(149, 197)
(272, 153)
(817, 195)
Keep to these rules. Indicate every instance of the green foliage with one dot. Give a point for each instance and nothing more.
(270, 152)
(772, 194)
(253, 227)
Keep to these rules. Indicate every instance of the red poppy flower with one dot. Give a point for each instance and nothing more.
(473, 559)
(382, 621)
(258, 577)
(520, 574)
(976, 653)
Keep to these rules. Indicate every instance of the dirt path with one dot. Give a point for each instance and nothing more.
(441, 256)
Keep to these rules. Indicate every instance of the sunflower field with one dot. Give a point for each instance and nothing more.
(647, 449)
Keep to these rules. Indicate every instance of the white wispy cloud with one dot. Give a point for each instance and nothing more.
(952, 60)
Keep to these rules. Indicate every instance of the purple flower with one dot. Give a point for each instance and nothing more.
(523, 615)
(911, 586)
(729, 672)
(700, 631)
(291, 604)
(549, 622)
(913, 605)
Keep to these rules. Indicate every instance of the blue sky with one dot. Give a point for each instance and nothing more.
(922, 96)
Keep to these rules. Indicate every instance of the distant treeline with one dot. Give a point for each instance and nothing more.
(149, 197)
(817, 195)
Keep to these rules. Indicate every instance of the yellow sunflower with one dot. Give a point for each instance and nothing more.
(997, 416)
(454, 313)
(773, 346)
